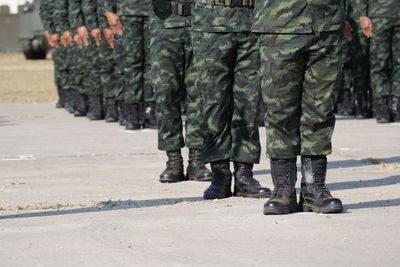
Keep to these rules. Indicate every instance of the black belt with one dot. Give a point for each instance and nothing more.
(228, 3)
(184, 10)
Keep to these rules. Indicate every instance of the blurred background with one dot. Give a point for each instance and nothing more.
(26, 69)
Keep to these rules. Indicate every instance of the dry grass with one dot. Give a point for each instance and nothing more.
(26, 81)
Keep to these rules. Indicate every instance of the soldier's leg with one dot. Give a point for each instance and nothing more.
(215, 57)
(120, 86)
(58, 68)
(214, 60)
(193, 101)
(323, 68)
(282, 69)
(132, 41)
(246, 148)
(322, 74)
(166, 69)
(360, 72)
(395, 104)
(246, 101)
(281, 85)
(149, 106)
(380, 58)
(220, 59)
(109, 81)
(167, 63)
(69, 93)
(78, 74)
(345, 101)
(92, 82)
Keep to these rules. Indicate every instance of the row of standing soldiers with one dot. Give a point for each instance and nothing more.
(100, 74)
(219, 57)
(371, 73)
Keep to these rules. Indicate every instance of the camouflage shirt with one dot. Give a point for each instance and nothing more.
(133, 7)
(61, 16)
(298, 16)
(162, 16)
(213, 18)
(101, 10)
(89, 9)
(378, 8)
(46, 15)
(108, 5)
(76, 18)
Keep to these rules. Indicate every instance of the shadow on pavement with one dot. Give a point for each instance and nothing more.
(374, 204)
(391, 180)
(6, 123)
(107, 206)
(350, 163)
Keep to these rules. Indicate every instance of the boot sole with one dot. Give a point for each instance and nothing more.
(333, 208)
(171, 181)
(194, 178)
(280, 211)
(205, 196)
(246, 195)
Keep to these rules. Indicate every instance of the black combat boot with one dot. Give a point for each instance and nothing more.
(314, 195)
(81, 107)
(133, 119)
(69, 95)
(382, 110)
(174, 171)
(111, 110)
(96, 110)
(283, 199)
(122, 113)
(196, 170)
(149, 120)
(221, 182)
(361, 107)
(61, 98)
(245, 184)
(345, 107)
(395, 108)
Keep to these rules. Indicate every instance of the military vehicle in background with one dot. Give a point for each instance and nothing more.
(34, 44)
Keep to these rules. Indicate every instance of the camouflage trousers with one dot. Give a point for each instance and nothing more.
(136, 69)
(360, 61)
(173, 72)
(346, 83)
(91, 82)
(385, 57)
(300, 75)
(227, 74)
(61, 73)
(110, 71)
(78, 70)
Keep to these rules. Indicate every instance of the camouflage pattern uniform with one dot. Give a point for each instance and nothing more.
(111, 73)
(227, 63)
(62, 21)
(360, 62)
(300, 67)
(59, 55)
(385, 45)
(135, 42)
(77, 61)
(92, 81)
(345, 100)
(173, 72)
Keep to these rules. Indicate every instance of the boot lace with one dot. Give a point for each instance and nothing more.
(321, 190)
(282, 191)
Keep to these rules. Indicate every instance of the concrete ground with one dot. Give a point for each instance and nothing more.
(80, 193)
